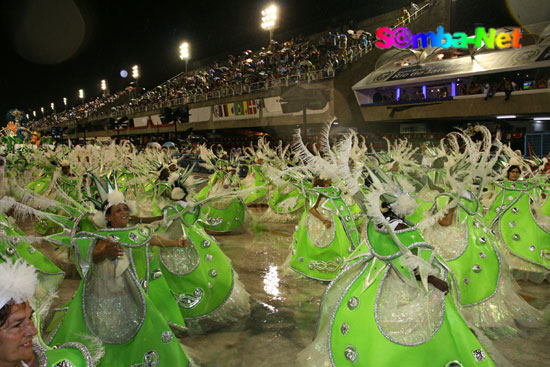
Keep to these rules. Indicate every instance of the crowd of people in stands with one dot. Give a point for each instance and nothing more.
(280, 62)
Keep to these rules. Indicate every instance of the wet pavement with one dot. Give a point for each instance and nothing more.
(285, 308)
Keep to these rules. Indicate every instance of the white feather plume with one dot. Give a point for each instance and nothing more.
(17, 282)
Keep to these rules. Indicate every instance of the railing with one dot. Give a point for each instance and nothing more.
(309, 77)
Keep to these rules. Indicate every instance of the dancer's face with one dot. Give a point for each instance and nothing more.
(513, 175)
(16, 336)
(119, 215)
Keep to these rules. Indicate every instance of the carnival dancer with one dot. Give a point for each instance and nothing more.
(120, 299)
(517, 221)
(19, 345)
(206, 287)
(228, 214)
(391, 303)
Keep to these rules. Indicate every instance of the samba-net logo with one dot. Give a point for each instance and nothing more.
(401, 37)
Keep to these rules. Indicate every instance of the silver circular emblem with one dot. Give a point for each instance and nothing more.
(476, 268)
(351, 353)
(515, 236)
(353, 302)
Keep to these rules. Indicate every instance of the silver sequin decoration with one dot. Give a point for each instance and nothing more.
(213, 273)
(476, 224)
(351, 353)
(237, 219)
(353, 302)
(497, 210)
(210, 285)
(133, 237)
(482, 255)
(482, 240)
(206, 244)
(515, 210)
(512, 224)
(167, 337)
(311, 266)
(510, 198)
(151, 359)
(143, 231)
(208, 257)
(454, 364)
(301, 259)
(157, 273)
(493, 232)
(10, 251)
(144, 284)
(515, 236)
(476, 268)
(347, 218)
(532, 248)
(344, 328)
(479, 355)
(63, 363)
(189, 301)
(114, 237)
(466, 281)
(32, 250)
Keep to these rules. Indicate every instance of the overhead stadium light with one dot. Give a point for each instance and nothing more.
(184, 51)
(541, 118)
(269, 17)
(135, 71)
(506, 117)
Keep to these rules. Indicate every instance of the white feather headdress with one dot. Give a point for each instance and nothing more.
(17, 282)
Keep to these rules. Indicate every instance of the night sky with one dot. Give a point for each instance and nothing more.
(52, 48)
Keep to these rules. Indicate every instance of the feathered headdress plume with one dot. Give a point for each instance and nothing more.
(17, 282)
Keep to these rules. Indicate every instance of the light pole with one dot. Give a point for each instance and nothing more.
(42, 110)
(184, 54)
(52, 106)
(269, 20)
(81, 96)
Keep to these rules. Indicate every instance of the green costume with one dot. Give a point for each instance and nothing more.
(70, 354)
(122, 302)
(484, 288)
(200, 276)
(13, 248)
(226, 214)
(375, 313)
(524, 235)
(319, 252)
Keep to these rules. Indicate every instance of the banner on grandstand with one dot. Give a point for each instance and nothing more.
(237, 110)
(273, 107)
(200, 114)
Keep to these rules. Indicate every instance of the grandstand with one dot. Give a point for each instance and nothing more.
(327, 76)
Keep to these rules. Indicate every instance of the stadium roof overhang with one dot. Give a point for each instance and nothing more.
(534, 56)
